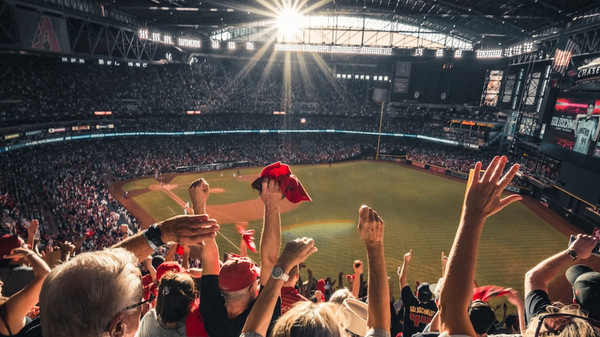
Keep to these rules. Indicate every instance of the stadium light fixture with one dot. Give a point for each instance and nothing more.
(289, 20)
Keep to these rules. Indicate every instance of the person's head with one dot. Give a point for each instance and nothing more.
(176, 293)
(482, 317)
(168, 267)
(424, 293)
(590, 108)
(92, 294)
(238, 280)
(340, 295)
(307, 319)
(562, 327)
(157, 261)
(512, 322)
(586, 288)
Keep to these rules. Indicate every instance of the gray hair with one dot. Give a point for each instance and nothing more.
(340, 295)
(81, 296)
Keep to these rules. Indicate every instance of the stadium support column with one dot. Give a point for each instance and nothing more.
(379, 137)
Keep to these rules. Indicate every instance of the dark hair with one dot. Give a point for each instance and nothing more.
(175, 293)
(157, 260)
(482, 317)
(512, 321)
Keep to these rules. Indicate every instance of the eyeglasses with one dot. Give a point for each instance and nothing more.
(554, 324)
(150, 299)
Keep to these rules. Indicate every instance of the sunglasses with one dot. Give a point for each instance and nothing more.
(554, 324)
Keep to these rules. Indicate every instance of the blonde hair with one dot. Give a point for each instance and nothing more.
(575, 327)
(82, 295)
(307, 319)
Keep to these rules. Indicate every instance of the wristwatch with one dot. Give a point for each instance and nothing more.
(572, 254)
(152, 235)
(278, 274)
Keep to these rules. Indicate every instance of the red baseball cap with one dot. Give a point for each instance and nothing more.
(7, 243)
(165, 267)
(237, 273)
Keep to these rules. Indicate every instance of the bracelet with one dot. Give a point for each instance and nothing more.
(153, 236)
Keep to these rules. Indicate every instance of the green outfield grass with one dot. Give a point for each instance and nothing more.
(157, 202)
(235, 190)
(139, 184)
(421, 212)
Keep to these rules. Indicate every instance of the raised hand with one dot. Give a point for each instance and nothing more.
(270, 194)
(188, 230)
(358, 267)
(407, 256)
(583, 245)
(18, 253)
(296, 251)
(33, 227)
(199, 191)
(370, 226)
(484, 193)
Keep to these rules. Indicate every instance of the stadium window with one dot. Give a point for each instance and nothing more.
(250, 45)
(339, 76)
(385, 78)
(65, 59)
(356, 77)
(231, 45)
(343, 75)
(362, 77)
(101, 62)
(367, 77)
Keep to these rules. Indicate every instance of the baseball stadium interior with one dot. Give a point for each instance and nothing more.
(110, 109)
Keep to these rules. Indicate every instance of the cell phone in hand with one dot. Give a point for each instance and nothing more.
(595, 251)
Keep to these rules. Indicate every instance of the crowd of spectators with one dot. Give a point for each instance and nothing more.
(38, 89)
(237, 298)
(66, 186)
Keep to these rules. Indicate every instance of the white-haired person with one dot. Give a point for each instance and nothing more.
(100, 293)
(308, 319)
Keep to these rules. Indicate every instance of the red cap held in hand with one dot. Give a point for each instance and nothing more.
(289, 183)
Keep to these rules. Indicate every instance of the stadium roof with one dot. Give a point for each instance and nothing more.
(483, 22)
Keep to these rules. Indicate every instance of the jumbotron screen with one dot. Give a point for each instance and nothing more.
(572, 132)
